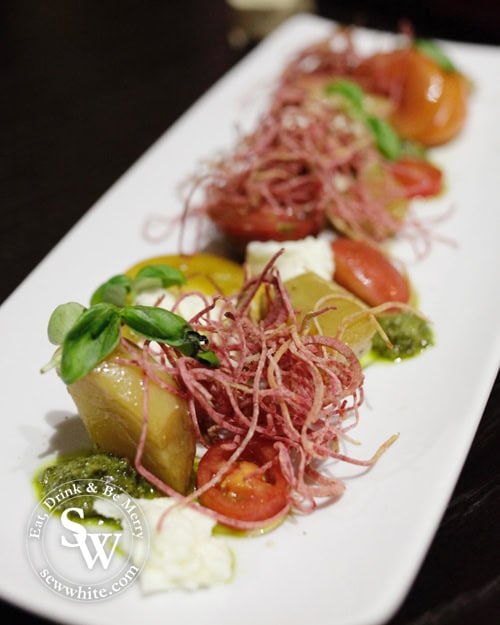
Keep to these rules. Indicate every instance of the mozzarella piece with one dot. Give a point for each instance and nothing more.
(183, 552)
(303, 256)
(188, 307)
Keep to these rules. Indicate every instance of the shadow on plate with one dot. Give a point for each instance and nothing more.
(69, 434)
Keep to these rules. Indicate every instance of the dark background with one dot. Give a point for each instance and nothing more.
(88, 86)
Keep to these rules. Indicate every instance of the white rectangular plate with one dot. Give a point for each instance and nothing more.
(351, 563)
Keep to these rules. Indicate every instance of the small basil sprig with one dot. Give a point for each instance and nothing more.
(349, 90)
(87, 335)
(62, 320)
(387, 140)
(117, 289)
(96, 333)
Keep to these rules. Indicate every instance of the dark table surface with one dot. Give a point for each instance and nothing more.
(88, 86)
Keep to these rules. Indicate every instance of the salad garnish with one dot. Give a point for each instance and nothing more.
(88, 335)
(121, 289)
(328, 150)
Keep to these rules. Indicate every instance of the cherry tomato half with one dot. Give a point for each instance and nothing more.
(367, 273)
(245, 493)
(418, 177)
(264, 224)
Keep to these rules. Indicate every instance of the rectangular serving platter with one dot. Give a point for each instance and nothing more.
(353, 562)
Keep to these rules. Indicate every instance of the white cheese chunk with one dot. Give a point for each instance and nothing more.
(188, 307)
(309, 254)
(183, 552)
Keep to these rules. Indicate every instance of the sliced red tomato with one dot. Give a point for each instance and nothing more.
(418, 177)
(246, 492)
(368, 273)
(265, 224)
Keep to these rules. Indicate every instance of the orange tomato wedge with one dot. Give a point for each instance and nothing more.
(430, 103)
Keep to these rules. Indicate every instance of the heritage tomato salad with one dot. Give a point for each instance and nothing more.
(232, 386)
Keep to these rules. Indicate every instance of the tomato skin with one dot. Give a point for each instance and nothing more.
(418, 104)
(418, 177)
(450, 115)
(367, 273)
(264, 224)
(242, 493)
(430, 103)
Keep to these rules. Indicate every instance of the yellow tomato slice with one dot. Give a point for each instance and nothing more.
(207, 273)
(348, 317)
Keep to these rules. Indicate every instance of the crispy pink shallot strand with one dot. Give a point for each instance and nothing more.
(294, 390)
(308, 161)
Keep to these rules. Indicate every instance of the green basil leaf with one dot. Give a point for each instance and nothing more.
(434, 52)
(208, 358)
(62, 320)
(155, 323)
(168, 276)
(113, 291)
(94, 336)
(158, 324)
(386, 138)
(145, 284)
(349, 90)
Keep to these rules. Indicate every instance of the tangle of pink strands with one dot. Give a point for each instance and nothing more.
(274, 382)
(296, 171)
(286, 173)
(306, 163)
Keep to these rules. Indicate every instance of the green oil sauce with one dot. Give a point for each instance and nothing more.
(408, 334)
(224, 530)
(92, 466)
